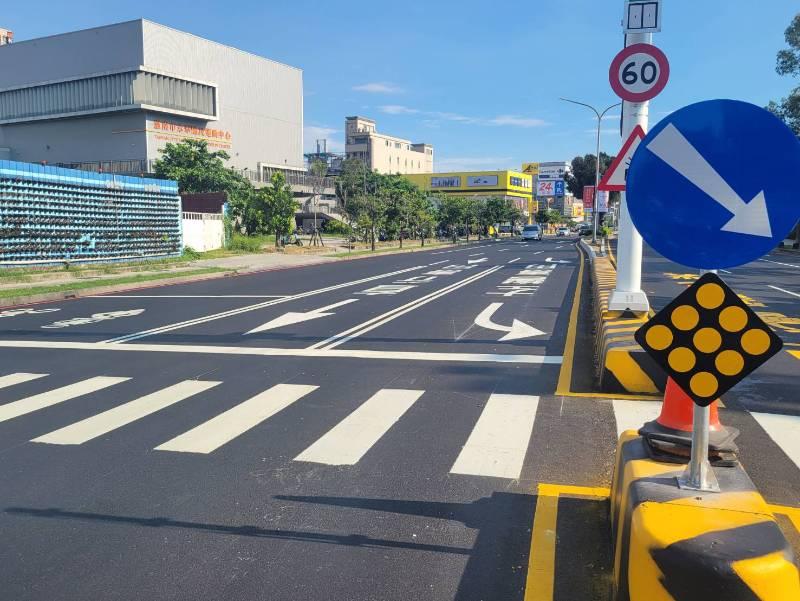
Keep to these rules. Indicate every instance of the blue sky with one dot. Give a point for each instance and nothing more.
(478, 80)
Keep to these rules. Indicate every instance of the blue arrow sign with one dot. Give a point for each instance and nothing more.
(716, 184)
(559, 187)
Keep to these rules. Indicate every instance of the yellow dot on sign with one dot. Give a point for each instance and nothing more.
(685, 317)
(707, 340)
(729, 363)
(710, 296)
(733, 319)
(704, 384)
(755, 341)
(658, 337)
(682, 359)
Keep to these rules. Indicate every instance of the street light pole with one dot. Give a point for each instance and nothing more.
(597, 159)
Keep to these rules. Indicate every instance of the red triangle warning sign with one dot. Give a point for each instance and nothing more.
(614, 177)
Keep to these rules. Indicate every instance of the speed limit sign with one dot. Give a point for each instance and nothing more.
(639, 72)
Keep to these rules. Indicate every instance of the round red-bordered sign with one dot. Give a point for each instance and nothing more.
(639, 72)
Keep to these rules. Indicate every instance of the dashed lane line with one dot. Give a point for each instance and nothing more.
(782, 290)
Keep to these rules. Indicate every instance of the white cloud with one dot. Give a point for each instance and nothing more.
(312, 133)
(472, 163)
(377, 87)
(434, 116)
(607, 117)
(397, 109)
(516, 121)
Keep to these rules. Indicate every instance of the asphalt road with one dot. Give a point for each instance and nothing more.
(367, 429)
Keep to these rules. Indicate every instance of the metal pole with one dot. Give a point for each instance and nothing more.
(628, 294)
(597, 158)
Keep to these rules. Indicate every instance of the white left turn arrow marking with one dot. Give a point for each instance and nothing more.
(292, 317)
(675, 150)
(471, 261)
(552, 260)
(518, 329)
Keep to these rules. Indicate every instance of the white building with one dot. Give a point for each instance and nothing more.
(384, 153)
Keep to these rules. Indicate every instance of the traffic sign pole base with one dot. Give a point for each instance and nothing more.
(628, 301)
(705, 481)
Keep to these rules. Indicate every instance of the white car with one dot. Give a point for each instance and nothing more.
(532, 232)
(562, 231)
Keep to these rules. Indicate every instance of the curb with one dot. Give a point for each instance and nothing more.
(621, 365)
(673, 543)
(34, 299)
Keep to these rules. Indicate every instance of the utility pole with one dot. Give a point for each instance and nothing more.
(597, 159)
(628, 294)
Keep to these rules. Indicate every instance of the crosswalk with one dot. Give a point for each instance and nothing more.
(497, 445)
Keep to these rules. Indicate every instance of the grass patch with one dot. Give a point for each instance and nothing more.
(83, 284)
(250, 244)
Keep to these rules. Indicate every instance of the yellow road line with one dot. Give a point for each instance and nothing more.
(565, 375)
(793, 513)
(539, 583)
(612, 396)
(795, 354)
(542, 560)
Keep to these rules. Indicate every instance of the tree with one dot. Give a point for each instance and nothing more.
(318, 170)
(492, 211)
(789, 64)
(278, 206)
(348, 186)
(197, 170)
(583, 172)
(450, 214)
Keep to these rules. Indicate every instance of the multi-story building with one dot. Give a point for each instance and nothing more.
(513, 185)
(384, 153)
(118, 94)
(6, 36)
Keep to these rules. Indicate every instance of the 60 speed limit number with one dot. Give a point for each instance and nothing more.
(639, 72)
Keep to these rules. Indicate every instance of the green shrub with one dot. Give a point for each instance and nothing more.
(249, 244)
(190, 253)
(334, 226)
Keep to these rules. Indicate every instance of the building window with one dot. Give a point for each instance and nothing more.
(119, 90)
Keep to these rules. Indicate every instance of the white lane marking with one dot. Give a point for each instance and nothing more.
(559, 261)
(188, 296)
(53, 397)
(211, 435)
(350, 439)
(499, 441)
(439, 262)
(779, 263)
(632, 415)
(27, 311)
(286, 352)
(726, 271)
(472, 261)
(783, 430)
(122, 415)
(18, 378)
(94, 318)
(232, 312)
(538, 252)
(782, 290)
(292, 317)
(375, 322)
(518, 329)
(515, 260)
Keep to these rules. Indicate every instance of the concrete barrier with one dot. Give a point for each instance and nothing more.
(684, 545)
(621, 364)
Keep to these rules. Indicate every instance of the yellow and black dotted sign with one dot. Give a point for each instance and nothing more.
(707, 339)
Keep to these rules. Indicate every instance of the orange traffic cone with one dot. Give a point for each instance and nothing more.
(669, 437)
(677, 410)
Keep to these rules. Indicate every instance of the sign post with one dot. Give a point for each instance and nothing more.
(729, 165)
(637, 74)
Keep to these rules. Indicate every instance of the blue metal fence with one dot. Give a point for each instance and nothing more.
(52, 214)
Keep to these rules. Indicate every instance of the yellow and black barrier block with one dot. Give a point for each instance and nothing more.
(622, 366)
(673, 544)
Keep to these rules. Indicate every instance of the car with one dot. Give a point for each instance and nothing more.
(562, 231)
(532, 232)
(586, 230)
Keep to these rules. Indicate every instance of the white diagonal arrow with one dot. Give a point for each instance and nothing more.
(518, 329)
(471, 261)
(291, 317)
(675, 150)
